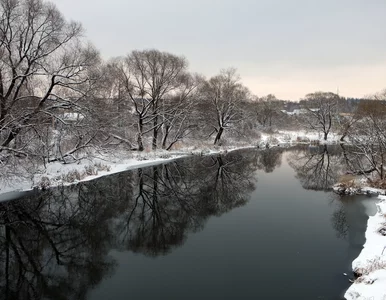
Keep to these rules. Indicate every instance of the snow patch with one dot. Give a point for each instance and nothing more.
(296, 137)
(56, 173)
(371, 262)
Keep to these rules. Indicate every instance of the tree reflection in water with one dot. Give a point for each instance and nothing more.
(339, 218)
(55, 244)
(317, 167)
(175, 199)
(270, 159)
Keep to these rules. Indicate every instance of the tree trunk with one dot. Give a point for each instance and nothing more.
(218, 135)
(155, 133)
(171, 145)
(155, 125)
(11, 136)
(165, 137)
(3, 111)
(325, 136)
(139, 137)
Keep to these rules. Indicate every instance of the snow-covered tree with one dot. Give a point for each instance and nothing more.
(320, 111)
(44, 70)
(223, 95)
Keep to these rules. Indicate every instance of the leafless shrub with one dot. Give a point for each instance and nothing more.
(382, 230)
(72, 176)
(302, 139)
(273, 141)
(347, 181)
(165, 155)
(374, 264)
(90, 170)
(44, 183)
(101, 167)
(380, 184)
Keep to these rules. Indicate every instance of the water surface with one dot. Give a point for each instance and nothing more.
(247, 225)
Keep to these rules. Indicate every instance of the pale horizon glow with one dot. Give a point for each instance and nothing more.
(280, 47)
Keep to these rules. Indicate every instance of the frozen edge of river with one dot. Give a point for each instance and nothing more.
(371, 262)
(19, 187)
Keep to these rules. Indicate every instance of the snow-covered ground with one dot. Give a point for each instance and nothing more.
(299, 136)
(54, 174)
(57, 173)
(371, 262)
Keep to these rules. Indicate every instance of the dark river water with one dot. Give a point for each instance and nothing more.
(246, 225)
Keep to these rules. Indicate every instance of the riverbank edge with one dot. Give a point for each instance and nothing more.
(103, 164)
(58, 174)
(370, 266)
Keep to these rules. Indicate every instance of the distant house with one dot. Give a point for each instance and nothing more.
(298, 111)
(295, 112)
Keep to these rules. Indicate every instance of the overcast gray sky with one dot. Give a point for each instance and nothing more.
(285, 47)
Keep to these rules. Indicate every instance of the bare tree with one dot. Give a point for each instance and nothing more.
(368, 137)
(44, 69)
(178, 119)
(321, 111)
(265, 109)
(149, 77)
(223, 94)
(344, 124)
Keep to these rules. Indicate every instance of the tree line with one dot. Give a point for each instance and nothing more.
(58, 98)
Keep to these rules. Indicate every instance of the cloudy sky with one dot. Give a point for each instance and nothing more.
(285, 47)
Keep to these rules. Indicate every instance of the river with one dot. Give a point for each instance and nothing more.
(246, 225)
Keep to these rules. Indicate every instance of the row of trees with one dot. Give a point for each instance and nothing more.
(57, 96)
(363, 127)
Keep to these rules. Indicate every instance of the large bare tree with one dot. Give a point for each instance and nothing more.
(149, 77)
(320, 111)
(178, 112)
(368, 137)
(223, 95)
(44, 70)
(265, 109)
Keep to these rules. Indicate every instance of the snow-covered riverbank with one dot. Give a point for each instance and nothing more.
(371, 263)
(102, 164)
(56, 173)
(300, 136)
